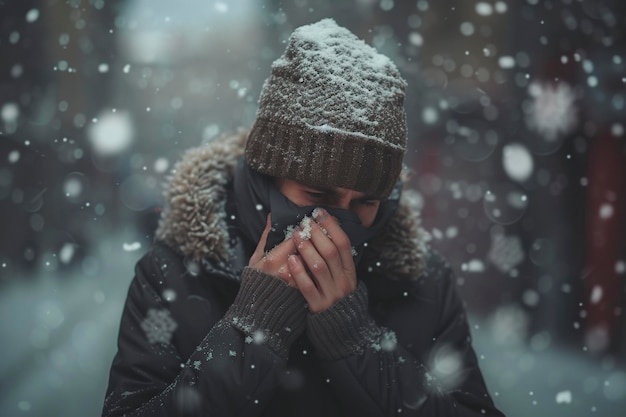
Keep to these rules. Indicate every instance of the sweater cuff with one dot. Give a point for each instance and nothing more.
(344, 329)
(268, 310)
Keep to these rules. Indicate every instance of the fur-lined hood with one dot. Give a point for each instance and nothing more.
(194, 219)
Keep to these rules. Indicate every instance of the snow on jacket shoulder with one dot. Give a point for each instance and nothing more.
(190, 344)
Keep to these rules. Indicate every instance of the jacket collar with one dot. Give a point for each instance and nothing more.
(195, 220)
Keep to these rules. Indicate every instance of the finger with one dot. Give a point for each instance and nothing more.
(259, 252)
(327, 249)
(343, 276)
(336, 234)
(313, 260)
(303, 281)
(273, 262)
(282, 250)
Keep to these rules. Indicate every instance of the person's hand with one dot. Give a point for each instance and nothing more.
(323, 268)
(273, 262)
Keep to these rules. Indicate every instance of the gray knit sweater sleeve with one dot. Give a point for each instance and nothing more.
(268, 310)
(344, 329)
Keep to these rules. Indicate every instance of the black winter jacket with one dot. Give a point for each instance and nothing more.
(203, 335)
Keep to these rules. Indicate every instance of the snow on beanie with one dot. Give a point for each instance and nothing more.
(331, 114)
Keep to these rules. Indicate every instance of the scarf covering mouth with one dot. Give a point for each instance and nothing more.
(257, 195)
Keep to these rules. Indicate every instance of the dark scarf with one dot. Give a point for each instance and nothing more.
(257, 195)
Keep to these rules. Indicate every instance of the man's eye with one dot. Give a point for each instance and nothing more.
(317, 196)
(370, 203)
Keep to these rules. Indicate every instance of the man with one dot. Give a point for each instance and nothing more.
(288, 276)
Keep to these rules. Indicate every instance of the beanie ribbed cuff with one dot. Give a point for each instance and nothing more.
(268, 310)
(325, 157)
(345, 328)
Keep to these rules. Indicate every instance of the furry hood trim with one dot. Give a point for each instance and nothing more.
(194, 223)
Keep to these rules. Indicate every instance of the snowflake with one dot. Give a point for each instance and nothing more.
(506, 252)
(551, 112)
(564, 397)
(446, 364)
(159, 326)
(509, 326)
(387, 342)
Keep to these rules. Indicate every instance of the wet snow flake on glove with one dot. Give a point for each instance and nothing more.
(159, 326)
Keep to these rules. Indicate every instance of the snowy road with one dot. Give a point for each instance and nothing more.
(58, 338)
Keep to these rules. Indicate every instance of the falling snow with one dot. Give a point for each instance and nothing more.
(484, 8)
(32, 15)
(551, 112)
(169, 295)
(131, 247)
(506, 62)
(474, 265)
(606, 211)
(67, 253)
(596, 294)
(617, 129)
(517, 161)
(502, 128)
(9, 112)
(112, 133)
(506, 252)
(14, 156)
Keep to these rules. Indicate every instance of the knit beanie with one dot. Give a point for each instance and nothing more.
(331, 114)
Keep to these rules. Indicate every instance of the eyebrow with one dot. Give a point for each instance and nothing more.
(369, 198)
(333, 193)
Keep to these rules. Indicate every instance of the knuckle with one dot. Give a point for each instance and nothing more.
(307, 288)
(328, 252)
(342, 242)
(269, 260)
(346, 286)
(272, 263)
(301, 245)
(319, 266)
(295, 268)
(283, 272)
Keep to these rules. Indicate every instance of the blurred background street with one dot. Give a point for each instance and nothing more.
(517, 152)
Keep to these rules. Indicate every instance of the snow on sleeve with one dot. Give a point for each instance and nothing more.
(159, 326)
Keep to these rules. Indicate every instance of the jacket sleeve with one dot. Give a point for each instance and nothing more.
(233, 370)
(373, 375)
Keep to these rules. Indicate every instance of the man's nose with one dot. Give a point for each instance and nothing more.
(343, 203)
